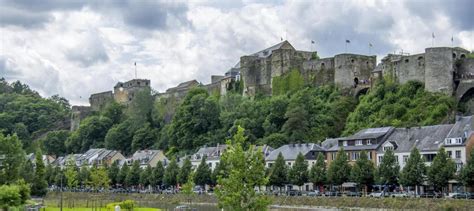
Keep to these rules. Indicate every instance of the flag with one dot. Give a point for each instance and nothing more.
(281, 38)
(312, 42)
(452, 38)
(348, 41)
(135, 63)
(433, 35)
(370, 44)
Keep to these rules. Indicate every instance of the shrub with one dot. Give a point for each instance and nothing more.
(126, 205)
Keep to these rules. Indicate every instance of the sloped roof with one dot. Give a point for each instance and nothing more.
(370, 133)
(268, 52)
(291, 151)
(329, 143)
(461, 128)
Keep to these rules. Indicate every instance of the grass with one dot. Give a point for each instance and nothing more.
(97, 209)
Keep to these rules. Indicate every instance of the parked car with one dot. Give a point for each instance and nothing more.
(399, 195)
(184, 208)
(353, 194)
(332, 193)
(293, 193)
(431, 194)
(376, 195)
(314, 193)
(462, 196)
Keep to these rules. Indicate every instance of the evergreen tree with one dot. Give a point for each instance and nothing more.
(414, 172)
(389, 169)
(157, 175)
(278, 172)
(296, 125)
(71, 173)
(171, 174)
(441, 170)
(298, 174)
(12, 149)
(146, 175)
(203, 173)
(185, 171)
(317, 174)
(339, 170)
(84, 175)
(363, 172)
(122, 176)
(98, 178)
(133, 176)
(28, 171)
(39, 186)
(467, 172)
(113, 173)
(49, 174)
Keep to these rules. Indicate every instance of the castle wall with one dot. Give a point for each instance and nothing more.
(249, 74)
(125, 92)
(439, 70)
(78, 113)
(281, 61)
(100, 100)
(319, 72)
(465, 70)
(351, 67)
(409, 68)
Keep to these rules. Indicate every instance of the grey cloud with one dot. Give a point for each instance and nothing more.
(91, 51)
(459, 11)
(13, 16)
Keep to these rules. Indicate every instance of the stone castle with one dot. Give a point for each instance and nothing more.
(441, 69)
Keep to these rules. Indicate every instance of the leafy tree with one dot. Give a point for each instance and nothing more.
(122, 176)
(296, 125)
(84, 175)
(113, 173)
(54, 142)
(146, 175)
(28, 171)
(219, 171)
(246, 170)
(144, 138)
(141, 107)
(317, 174)
(114, 111)
(414, 172)
(90, 134)
(120, 137)
(185, 171)
(171, 174)
(203, 173)
(389, 169)
(467, 172)
(50, 174)
(275, 140)
(441, 170)
(298, 174)
(363, 172)
(133, 176)
(71, 173)
(40, 185)
(278, 172)
(14, 157)
(9, 196)
(339, 169)
(98, 178)
(157, 175)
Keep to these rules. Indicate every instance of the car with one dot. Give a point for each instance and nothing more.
(169, 191)
(431, 194)
(399, 195)
(184, 208)
(314, 193)
(461, 196)
(293, 193)
(332, 193)
(353, 194)
(376, 195)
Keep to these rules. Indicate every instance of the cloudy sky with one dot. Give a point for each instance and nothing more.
(74, 49)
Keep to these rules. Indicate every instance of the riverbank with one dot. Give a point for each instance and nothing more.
(157, 200)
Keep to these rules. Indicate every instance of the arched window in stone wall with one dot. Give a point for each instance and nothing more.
(407, 60)
(420, 61)
(323, 65)
(352, 60)
(463, 56)
(454, 55)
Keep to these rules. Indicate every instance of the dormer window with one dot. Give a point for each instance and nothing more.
(369, 142)
(450, 141)
(344, 143)
(358, 142)
(386, 148)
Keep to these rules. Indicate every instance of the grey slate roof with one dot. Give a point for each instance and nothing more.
(370, 133)
(426, 138)
(329, 143)
(209, 152)
(268, 52)
(461, 128)
(290, 151)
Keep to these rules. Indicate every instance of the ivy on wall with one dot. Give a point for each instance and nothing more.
(290, 82)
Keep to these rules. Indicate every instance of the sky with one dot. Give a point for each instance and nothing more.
(75, 48)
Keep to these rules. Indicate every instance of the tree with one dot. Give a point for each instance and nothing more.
(414, 172)
(441, 170)
(389, 169)
(467, 172)
(145, 176)
(133, 176)
(219, 171)
(28, 171)
(122, 176)
(84, 175)
(157, 175)
(71, 173)
(171, 174)
(317, 174)
(339, 170)
(98, 178)
(39, 186)
(298, 174)
(278, 172)
(14, 157)
(114, 172)
(54, 142)
(144, 138)
(203, 173)
(296, 125)
(363, 172)
(114, 111)
(246, 170)
(185, 171)
(120, 137)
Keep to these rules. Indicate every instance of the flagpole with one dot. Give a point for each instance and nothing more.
(136, 70)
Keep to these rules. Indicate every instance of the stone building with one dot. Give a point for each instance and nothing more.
(124, 92)
(78, 113)
(99, 100)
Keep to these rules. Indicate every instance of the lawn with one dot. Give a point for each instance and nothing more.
(97, 209)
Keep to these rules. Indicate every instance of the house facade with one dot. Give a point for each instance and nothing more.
(148, 157)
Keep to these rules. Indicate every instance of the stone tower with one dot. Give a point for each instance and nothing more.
(125, 92)
(439, 70)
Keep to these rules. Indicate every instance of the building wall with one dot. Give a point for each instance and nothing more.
(78, 113)
(100, 100)
(348, 67)
(439, 70)
(319, 72)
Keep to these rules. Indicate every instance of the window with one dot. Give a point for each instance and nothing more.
(333, 156)
(369, 155)
(405, 158)
(270, 165)
(380, 158)
(355, 155)
(369, 142)
(450, 154)
(358, 142)
(289, 163)
(458, 154)
(386, 148)
(344, 143)
(396, 158)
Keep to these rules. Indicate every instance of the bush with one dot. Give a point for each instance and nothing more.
(126, 205)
